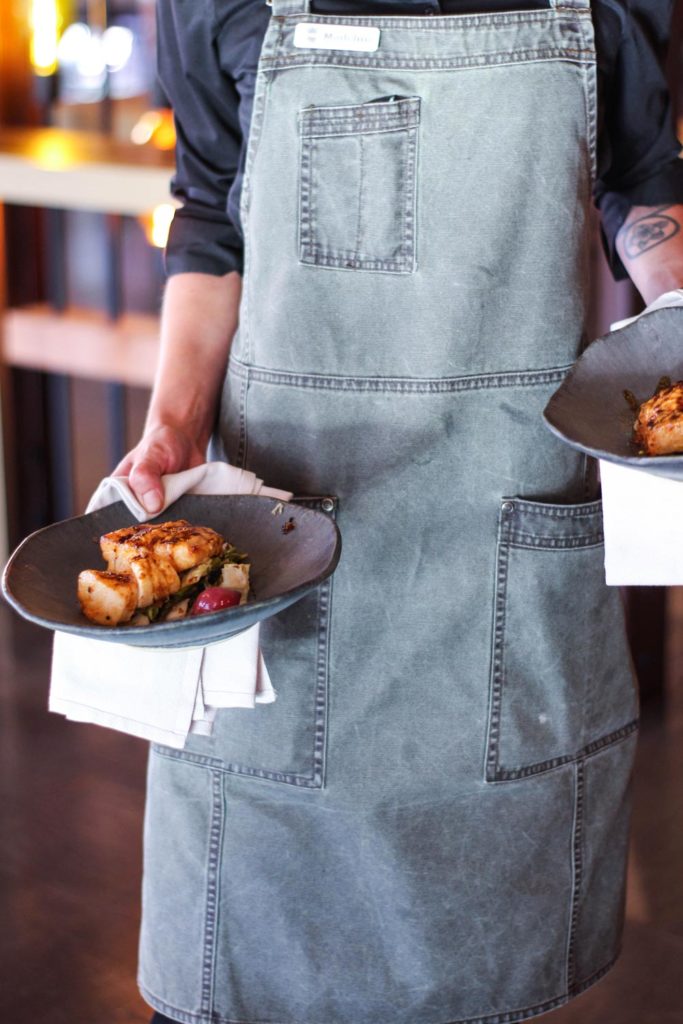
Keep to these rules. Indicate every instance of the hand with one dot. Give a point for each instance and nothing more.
(164, 449)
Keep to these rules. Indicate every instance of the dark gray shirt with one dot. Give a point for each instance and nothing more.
(209, 49)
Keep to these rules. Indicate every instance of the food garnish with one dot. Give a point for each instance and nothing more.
(157, 573)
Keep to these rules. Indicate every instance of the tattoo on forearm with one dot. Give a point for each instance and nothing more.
(648, 232)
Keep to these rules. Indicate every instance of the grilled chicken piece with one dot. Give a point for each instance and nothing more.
(107, 598)
(185, 546)
(155, 578)
(658, 429)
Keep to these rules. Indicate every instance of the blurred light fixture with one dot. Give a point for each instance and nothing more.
(46, 24)
(74, 40)
(157, 223)
(155, 127)
(91, 62)
(117, 46)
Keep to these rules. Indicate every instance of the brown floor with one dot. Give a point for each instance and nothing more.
(71, 804)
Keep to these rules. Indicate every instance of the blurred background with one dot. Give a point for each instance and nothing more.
(86, 153)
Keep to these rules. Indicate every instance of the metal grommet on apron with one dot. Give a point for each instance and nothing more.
(430, 823)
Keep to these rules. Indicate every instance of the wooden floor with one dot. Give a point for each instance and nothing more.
(71, 802)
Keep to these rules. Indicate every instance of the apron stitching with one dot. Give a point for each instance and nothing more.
(359, 222)
(496, 685)
(212, 884)
(445, 23)
(577, 872)
(416, 385)
(590, 99)
(242, 440)
(227, 768)
(503, 58)
(590, 750)
(305, 196)
(410, 201)
(321, 693)
(523, 542)
(584, 510)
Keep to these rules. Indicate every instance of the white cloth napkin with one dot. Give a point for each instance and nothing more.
(155, 693)
(642, 513)
(665, 300)
(643, 521)
(209, 478)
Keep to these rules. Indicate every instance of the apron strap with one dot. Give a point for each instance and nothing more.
(280, 8)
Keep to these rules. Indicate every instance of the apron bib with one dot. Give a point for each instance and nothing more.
(430, 824)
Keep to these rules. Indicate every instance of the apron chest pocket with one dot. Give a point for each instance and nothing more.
(357, 186)
(561, 680)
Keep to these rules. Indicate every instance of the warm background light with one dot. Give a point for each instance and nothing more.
(156, 224)
(155, 127)
(53, 152)
(46, 24)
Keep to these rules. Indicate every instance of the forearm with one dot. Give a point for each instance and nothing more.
(198, 321)
(650, 245)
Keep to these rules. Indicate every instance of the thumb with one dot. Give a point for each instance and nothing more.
(145, 483)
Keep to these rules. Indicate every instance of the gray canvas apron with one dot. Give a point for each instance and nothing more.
(430, 824)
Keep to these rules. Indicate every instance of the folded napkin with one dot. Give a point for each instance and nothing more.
(643, 522)
(664, 301)
(155, 693)
(642, 513)
(209, 478)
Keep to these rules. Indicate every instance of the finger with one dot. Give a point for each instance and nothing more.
(145, 483)
(124, 467)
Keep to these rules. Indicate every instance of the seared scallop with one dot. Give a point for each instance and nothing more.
(120, 546)
(185, 546)
(107, 598)
(155, 577)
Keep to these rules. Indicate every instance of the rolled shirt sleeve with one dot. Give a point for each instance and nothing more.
(638, 150)
(211, 100)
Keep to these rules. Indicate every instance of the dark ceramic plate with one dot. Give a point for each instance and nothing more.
(589, 410)
(40, 578)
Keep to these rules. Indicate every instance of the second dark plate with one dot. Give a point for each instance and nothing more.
(589, 410)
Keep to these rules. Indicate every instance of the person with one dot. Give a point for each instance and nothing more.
(376, 281)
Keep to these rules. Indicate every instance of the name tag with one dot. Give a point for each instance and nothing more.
(318, 36)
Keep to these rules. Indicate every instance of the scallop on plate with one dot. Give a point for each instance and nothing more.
(291, 547)
(592, 410)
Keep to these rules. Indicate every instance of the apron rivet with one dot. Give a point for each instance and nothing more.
(507, 506)
(327, 504)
